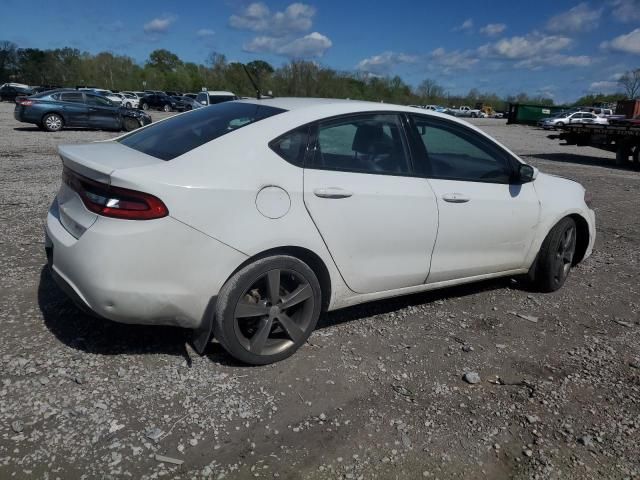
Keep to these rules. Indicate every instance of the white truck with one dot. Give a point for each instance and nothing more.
(465, 111)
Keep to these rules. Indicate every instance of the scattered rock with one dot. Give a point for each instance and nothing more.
(586, 440)
(164, 459)
(467, 348)
(635, 363)
(528, 452)
(153, 433)
(471, 377)
(533, 418)
(528, 318)
(17, 426)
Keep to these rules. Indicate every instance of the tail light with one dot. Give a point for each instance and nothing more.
(115, 202)
(25, 102)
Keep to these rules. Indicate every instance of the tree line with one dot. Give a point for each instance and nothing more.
(164, 70)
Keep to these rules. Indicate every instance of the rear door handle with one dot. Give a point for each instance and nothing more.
(455, 198)
(332, 192)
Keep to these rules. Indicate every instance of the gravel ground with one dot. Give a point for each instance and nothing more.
(377, 392)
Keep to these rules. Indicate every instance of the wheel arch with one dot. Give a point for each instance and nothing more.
(582, 237)
(303, 254)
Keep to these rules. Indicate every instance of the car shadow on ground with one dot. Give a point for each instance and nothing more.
(89, 334)
(588, 160)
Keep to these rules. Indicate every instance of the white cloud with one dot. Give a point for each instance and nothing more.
(604, 86)
(465, 26)
(297, 17)
(384, 63)
(628, 43)
(449, 61)
(555, 60)
(312, 45)
(625, 10)
(493, 29)
(525, 47)
(580, 18)
(205, 33)
(159, 25)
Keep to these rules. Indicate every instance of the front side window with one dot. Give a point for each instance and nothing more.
(98, 101)
(201, 97)
(455, 152)
(371, 143)
(180, 134)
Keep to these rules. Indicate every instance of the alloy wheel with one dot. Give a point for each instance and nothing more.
(53, 122)
(564, 254)
(274, 313)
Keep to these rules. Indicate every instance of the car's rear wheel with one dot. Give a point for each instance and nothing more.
(52, 122)
(560, 124)
(128, 105)
(167, 108)
(130, 124)
(555, 258)
(267, 310)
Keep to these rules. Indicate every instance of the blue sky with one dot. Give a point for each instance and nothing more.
(560, 48)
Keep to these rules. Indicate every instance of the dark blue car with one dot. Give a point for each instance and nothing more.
(57, 109)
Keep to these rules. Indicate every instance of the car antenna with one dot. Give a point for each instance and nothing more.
(255, 85)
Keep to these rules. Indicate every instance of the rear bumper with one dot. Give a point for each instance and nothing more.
(156, 272)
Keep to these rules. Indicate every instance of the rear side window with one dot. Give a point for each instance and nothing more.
(370, 143)
(75, 97)
(213, 99)
(292, 146)
(180, 134)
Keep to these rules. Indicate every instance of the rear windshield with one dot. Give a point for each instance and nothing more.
(173, 137)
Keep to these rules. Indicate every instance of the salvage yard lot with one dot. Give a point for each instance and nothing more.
(377, 392)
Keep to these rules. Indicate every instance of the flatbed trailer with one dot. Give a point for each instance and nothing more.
(622, 139)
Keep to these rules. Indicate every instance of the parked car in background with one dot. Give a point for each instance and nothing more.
(255, 253)
(129, 99)
(567, 118)
(191, 95)
(57, 109)
(174, 94)
(213, 97)
(158, 101)
(186, 103)
(9, 92)
(465, 111)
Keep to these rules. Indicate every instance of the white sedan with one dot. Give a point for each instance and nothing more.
(249, 218)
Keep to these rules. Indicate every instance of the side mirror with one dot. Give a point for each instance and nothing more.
(526, 173)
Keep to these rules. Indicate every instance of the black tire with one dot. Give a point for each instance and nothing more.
(52, 122)
(556, 256)
(128, 105)
(129, 124)
(144, 106)
(167, 108)
(188, 107)
(559, 124)
(636, 157)
(239, 331)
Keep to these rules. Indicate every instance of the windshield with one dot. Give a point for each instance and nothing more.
(173, 137)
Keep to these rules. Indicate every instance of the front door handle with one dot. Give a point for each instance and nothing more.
(455, 198)
(332, 192)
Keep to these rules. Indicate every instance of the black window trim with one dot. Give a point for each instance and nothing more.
(273, 143)
(511, 161)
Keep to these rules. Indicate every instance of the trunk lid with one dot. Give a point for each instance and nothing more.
(96, 161)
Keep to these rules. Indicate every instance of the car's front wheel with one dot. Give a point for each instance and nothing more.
(52, 122)
(129, 124)
(559, 124)
(167, 108)
(555, 258)
(145, 106)
(267, 310)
